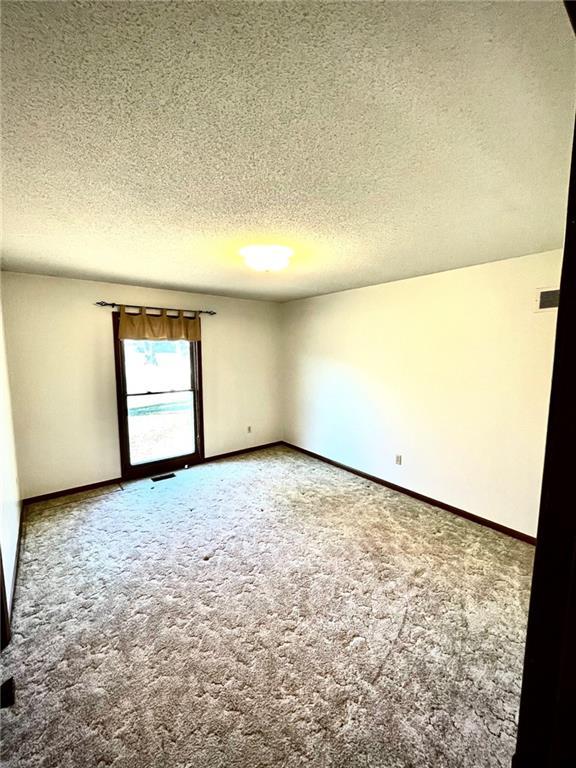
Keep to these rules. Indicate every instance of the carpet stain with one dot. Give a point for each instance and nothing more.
(338, 624)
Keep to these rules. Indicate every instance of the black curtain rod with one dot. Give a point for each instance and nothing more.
(160, 309)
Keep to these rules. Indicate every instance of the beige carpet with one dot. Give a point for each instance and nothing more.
(268, 610)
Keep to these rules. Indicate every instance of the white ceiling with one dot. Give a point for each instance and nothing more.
(146, 142)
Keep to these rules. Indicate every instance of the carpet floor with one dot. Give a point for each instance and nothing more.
(266, 610)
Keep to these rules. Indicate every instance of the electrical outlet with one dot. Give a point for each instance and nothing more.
(249, 429)
(398, 459)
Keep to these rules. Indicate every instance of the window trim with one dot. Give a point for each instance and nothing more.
(134, 471)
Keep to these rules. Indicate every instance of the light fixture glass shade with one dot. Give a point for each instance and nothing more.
(266, 258)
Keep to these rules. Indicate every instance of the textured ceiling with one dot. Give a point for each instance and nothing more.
(146, 142)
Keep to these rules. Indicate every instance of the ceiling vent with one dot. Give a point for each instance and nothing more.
(547, 298)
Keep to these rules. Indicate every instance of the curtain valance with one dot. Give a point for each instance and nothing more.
(144, 325)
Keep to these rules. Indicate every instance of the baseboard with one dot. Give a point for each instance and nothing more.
(240, 451)
(119, 480)
(70, 491)
(415, 495)
(16, 561)
(5, 628)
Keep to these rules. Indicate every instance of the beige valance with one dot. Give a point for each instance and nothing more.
(142, 325)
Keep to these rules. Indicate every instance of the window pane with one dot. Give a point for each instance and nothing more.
(157, 366)
(160, 426)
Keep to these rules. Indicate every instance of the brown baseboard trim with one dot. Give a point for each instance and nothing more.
(19, 546)
(415, 495)
(120, 480)
(243, 450)
(70, 491)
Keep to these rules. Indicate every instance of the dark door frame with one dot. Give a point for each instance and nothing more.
(130, 471)
(547, 719)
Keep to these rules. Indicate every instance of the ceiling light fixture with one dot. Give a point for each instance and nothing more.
(266, 258)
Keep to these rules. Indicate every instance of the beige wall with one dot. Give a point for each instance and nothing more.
(9, 490)
(61, 365)
(450, 370)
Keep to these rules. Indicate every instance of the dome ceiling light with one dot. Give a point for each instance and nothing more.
(266, 258)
